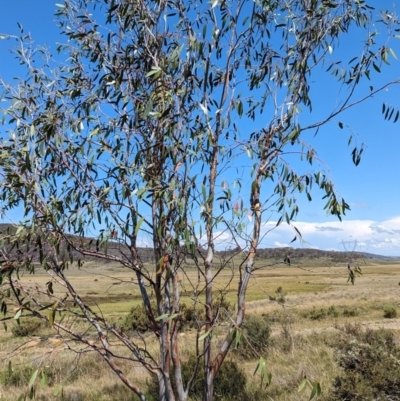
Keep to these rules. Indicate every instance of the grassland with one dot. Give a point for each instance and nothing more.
(318, 303)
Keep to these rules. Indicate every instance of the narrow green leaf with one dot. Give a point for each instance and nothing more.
(153, 71)
(203, 190)
(390, 115)
(33, 378)
(350, 139)
(392, 53)
(148, 108)
(302, 384)
(43, 381)
(204, 108)
(18, 314)
(162, 317)
(249, 152)
(239, 108)
(260, 366)
(173, 316)
(238, 336)
(138, 224)
(316, 390)
(57, 390)
(268, 379)
(376, 67)
(203, 336)
(140, 193)
(52, 314)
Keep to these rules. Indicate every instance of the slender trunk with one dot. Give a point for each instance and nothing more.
(176, 360)
(147, 304)
(164, 383)
(208, 371)
(243, 284)
(162, 391)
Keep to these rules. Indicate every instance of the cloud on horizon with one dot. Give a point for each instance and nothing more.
(359, 205)
(379, 237)
(319, 228)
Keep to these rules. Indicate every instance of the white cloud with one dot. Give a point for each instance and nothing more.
(365, 235)
(279, 245)
(381, 237)
(359, 205)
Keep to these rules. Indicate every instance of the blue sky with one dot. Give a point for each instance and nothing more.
(372, 189)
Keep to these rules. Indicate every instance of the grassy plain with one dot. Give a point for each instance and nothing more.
(318, 302)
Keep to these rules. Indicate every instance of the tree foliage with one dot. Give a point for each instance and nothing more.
(133, 132)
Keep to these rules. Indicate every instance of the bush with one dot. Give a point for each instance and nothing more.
(18, 377)
(350, 312)
(332, 311)
(26, 328)
(193, 317)
(230, 382)
(371, 362)
(319, 314)
(279, 296)
(137, 319)
(389, 312)
(256, 332)
(189, 317)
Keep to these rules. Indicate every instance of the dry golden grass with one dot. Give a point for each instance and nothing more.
(309, 294)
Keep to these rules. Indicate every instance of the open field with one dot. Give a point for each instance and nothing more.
(318, 303)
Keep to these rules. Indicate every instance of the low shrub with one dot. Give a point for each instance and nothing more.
(189, 316)
(28, 327)
(17, 376)
(285, 340)
(230, 382)
(350, 312)
(256, 333)
(371, 363)
(279, 296)
(319, 314)
(195, 317)
(389, 312)
(332, 311)
(137, 319)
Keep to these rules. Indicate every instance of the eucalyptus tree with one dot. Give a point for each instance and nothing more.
(134, 129)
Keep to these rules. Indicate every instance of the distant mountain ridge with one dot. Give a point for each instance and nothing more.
(311, 253)
(146, 254)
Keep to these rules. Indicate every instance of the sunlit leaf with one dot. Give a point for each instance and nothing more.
(205, 335)
(33, 378)
(302, 384)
